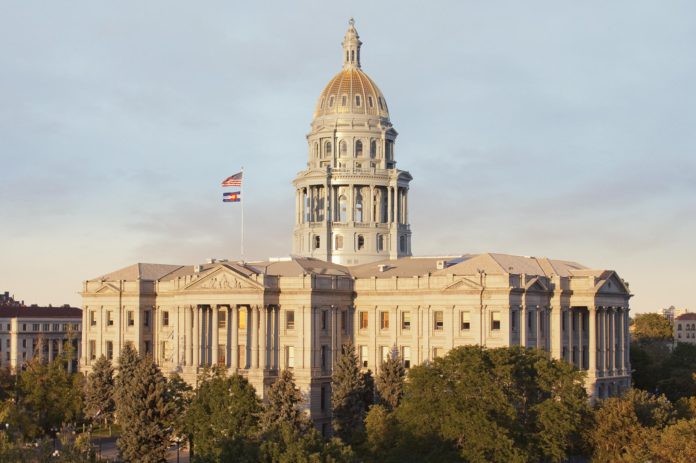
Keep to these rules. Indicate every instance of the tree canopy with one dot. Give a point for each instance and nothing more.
(652, 326)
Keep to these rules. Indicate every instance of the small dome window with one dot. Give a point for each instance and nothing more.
(373, 148)
(344, 100)
(358, 149)
(357, 100)
(331, 101)
(370, 103)
(379, 100)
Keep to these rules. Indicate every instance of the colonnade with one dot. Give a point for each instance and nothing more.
(210, 339)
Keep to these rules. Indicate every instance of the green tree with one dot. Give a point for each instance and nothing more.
(676, 378)
(180, 396)
(222, 419)
(290, 445)
(99, 391)
(145, 414)
(128, 363)
(676, 444)
(652, 326)
(506, 404)
(282, 405)
(627, 428)
(390, 380)
(348, 396)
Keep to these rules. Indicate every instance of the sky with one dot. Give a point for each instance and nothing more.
(549, 128)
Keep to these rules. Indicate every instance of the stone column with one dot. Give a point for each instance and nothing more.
(234, 338)
(581, 340)
(523, 326)
(187, 336)
(389, 204)
(85, 327)
(196, 351)
(255, 337)
(627, 343)
(610, 340)
(592, 347)
(570, 320)
(216, 334)
(620, 320)
(263, 337)
(334, 336)
(537, 326)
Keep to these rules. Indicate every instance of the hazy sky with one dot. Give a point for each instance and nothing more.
(550, 128)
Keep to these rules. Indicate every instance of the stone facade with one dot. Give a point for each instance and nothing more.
(352, 279)
(685, 328)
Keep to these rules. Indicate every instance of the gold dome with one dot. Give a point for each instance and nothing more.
(351, 91)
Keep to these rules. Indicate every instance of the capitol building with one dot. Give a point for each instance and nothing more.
(352, 278)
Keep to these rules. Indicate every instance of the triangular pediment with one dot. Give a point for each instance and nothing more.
(222, 279)
(613, 285)
(463, 284)
(107, 288)
(536, 284)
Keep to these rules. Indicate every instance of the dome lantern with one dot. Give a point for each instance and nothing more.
(351, 47)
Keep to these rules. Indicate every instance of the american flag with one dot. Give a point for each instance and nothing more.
(234, 180)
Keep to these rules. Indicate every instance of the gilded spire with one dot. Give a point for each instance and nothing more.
(351, 47)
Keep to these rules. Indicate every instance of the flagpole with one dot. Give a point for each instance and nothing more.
(241, 194)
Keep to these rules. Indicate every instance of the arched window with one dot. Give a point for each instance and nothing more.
(343, 148)
(373, 148)
(359, 208)
(361, 242)
(327, 149)
(380, 242)
(352, 56)
(358, 148)
(342, 209)
(338, 242)
(317, 242)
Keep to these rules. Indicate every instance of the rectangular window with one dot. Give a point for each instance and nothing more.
(76, 327)
(92, 318)
(363, 319)
(24, 326)
(466, 321)
(131, 320)
(56, 327)
(386, 350)
(92, 350)
(406, 356)
(147, 347)
(109, 350)
(363, 356)
(146, 318)
(290, 356)
(322, 398)
(24, 343)
(324, 357)
(65, 327)
(324, 319)
(437, 352)
(222, 319)
(513, 320)
(563, 321)
(438, 320)
(242, 319)
(163, 350)
(406, 320)
(47, 327)
(529, 320)
(344, 321)
(289, 319)
(541, 322)
(109, 318)
(495, 321)
(37, 326)
(384, 320)
(165, 318)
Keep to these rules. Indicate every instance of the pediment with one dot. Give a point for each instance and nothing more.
(613, 285)
(107, 288)
(221, 279)
(536, 284)
(462, 284)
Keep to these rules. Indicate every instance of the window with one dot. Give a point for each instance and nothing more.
(406, 356)
(324, 356)
(147, 347)
(222, 318)
(24, 343)
(290, 357)
(373, 148)
(541, 322)
(76, 327)
(384, 320)
(24, 326)
(109, 318)
(342, 209)
(131, 320)
(327, 149)
(322, 400)
(331, 101)
(358, 208)
(361, 241)
(343, 148)
(529, 321)
(386, 352)
(679, 327)
(370, 102)
(165, 318)
(163, 350)
(437, 352)
(466, 321)
(37, 326)
(363, 320)
(379, 100)
(438, 320)
(242, 320)
(495, 320)
(241, 356)
(56, 327)
(357, 100)
(92, 319)
(47, 327)
(317, 242)
(338, 242)
(513, 319)
(146, 318)
(109, 350)
(380, 242)
(363, 356)
(324, 319)
(344, 100)
(344, 321)
(406, 320)
(92, 349)
(563, 320)
(358, 148)
(289, 319)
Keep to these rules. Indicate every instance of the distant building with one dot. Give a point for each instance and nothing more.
(353, 278)
(672, 312)
(685, 328)
(26, 332)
